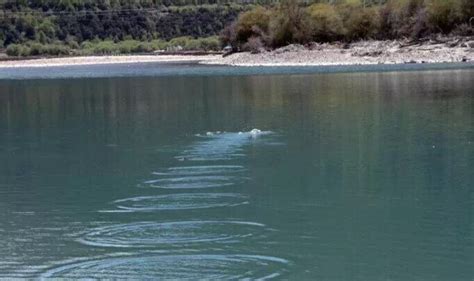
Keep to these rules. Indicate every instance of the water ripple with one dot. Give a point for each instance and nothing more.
(200, 170)
(182, 201)
(193, 182)
(182, 267)
(169, 234)
(220, 146)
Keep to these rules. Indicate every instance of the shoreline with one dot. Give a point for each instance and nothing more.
(370, 52)
(101, 60)
(390, 52)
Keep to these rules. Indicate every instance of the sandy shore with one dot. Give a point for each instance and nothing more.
(97, 60)
(359, 53)
(441, 50)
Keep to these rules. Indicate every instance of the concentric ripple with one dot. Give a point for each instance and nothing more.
(170, 234)
(182, 201)
(194, 182)
(182, 267)
(200, 170)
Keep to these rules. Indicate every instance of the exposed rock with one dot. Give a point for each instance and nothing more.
(290, 48)
(434, 50)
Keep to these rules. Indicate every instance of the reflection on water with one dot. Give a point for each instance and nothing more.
(367, 176)
(188, 267)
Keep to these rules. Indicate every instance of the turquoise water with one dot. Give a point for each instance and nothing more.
(159, 173)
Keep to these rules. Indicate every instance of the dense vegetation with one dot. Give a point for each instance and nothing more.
(62, 27)
(30, 27)
(292, 22)
(109, 47)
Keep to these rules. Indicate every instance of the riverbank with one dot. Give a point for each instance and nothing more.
(443, 50)
(440, 50)
(101, 60)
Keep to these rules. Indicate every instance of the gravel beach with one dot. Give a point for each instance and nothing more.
(440, 50)
(97, 60)
(359, 53)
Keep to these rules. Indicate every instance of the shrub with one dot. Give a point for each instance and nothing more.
(326, 24)
(159, 44)
(228, 35)
(467, 8)
(400, 18)
(252, 23)
(362, 23)
(281, 31)
(289, 24)
(71, 42)
(464, 29)
(36, 49)
(180, 41)
(143, 48)
(254, 45)
(444, 15)
(17, 50)
(14, 50)
(56, 50)
(210, 43)
(106, 48)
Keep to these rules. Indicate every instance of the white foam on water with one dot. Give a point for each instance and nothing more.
(220, 146)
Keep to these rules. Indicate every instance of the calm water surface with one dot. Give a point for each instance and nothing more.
(350, 176)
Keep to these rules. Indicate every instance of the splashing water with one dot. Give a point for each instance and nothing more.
(221, 146)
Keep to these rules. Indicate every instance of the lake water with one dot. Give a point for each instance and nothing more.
(134, 174)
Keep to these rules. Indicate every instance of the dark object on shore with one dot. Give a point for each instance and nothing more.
(228, 50)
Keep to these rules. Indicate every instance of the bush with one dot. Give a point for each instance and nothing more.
(188, 43)
(210, 43)
(290, 23)
(252, 23)
(106, 48)
(228, 35)
(144, 47)
(36, 49)
(254, 45)
(464, 29)
(444, 15)
(16, 50)
(362, 23)
(56, 50)
(326, 23)
(467, 8)
(159, 44)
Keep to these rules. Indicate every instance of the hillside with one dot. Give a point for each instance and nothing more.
(84, 27)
